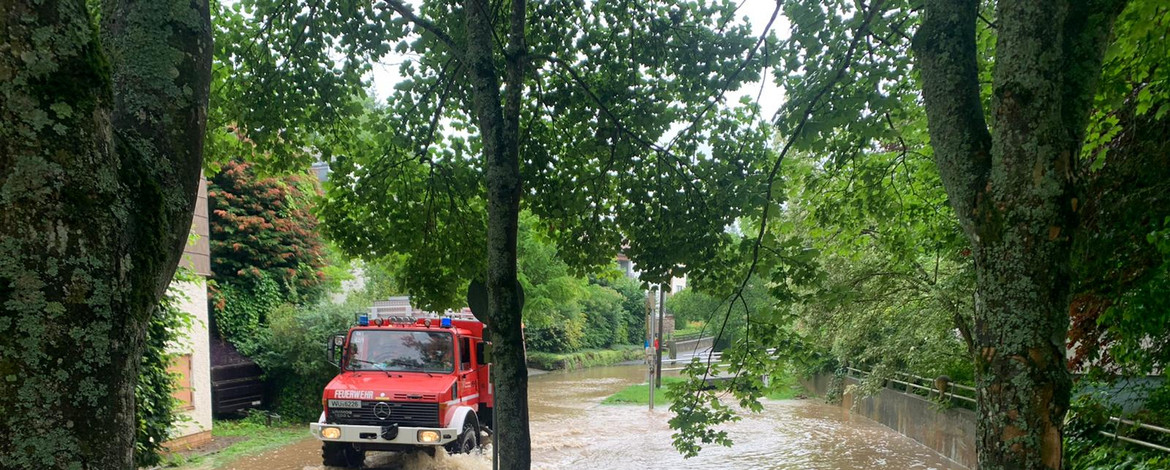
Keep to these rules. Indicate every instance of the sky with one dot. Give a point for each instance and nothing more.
(385, 73)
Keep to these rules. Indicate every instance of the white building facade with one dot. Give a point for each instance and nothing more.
(192, 350)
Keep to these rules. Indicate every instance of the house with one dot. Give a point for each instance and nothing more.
(192, 349)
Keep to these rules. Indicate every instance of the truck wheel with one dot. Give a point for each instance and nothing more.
(468, 439)
(337, 454)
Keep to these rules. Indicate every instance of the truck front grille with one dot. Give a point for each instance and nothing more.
(422, 415)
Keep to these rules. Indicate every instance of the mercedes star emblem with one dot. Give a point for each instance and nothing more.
(381, 411)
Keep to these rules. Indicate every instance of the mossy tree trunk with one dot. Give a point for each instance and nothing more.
(499, 127)
(1014, 193)
(101, 137)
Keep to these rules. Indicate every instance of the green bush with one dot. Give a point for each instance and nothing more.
(583, 359)
(605, 324)
(559, 337)
(633, 303)
(1087, 449)
(241, 308)
(292, 352)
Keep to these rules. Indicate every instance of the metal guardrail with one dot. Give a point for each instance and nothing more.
(1149, 427)
(712, 359)
(912, 381)
(951, 395)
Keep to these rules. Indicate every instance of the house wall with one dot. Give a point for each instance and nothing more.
(194, 343)
(196, 427)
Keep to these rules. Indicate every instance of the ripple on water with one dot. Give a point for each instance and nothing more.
(571, 431)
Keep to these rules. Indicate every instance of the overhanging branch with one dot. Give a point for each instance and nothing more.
(946, 51)
(425, 24)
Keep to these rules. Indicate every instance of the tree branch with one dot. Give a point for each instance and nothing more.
(945, 48)
(425, 24)
(1088, 28)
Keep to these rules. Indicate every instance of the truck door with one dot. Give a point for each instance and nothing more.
(468, 379)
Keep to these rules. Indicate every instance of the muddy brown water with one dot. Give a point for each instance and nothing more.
(571, 430)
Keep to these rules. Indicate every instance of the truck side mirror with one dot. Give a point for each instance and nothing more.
(482, 350)
(335, 343)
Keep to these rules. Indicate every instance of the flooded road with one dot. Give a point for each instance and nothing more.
(571, 430)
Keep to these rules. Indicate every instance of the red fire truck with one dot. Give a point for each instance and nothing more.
(405, 384)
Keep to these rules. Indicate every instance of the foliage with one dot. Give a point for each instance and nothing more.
(291, 350)
(696, 408)
(433, 189)
(1088, 449)
(564, 336)
(898, 278)
(155, 403)
(691, 305)
(552, 293)
(590, 91)
(241, 309)
(1121, 271)
(633, 306)
(265, 249)
(605, 320)
(585, 358)
(565, 312)
(379, 278)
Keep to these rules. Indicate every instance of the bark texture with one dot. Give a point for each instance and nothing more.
(1014, 193)
(499, 129)
(101, 141)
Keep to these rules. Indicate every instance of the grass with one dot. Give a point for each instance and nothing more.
(783, 388)
(254, 438)
(786, 388)
(640, 394)
(583, 359)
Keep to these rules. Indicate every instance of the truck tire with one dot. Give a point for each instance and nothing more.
(337, 454)
(468, 439)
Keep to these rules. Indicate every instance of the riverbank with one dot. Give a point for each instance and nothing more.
(232, 440)
(582, 359)
(783, 388)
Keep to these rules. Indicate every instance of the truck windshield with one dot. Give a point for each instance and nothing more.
(396, 350)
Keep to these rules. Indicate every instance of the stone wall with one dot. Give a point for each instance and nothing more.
(949, 432)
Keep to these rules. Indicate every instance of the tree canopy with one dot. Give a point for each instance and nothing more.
(608, 121)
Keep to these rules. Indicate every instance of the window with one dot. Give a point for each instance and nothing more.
(465, 354)
(182, 367)
(401, 351)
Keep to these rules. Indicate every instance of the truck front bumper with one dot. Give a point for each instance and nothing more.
(373, 434)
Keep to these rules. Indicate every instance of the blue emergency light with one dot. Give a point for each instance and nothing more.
(446, 323)
(363, 320)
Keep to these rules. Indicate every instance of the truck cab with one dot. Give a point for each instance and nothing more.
(405, 384)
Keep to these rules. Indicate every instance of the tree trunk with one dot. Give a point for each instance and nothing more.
(1013, 194)
(498, 127)
(100, 150)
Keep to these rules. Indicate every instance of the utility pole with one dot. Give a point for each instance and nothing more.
(661, 339)
(650, 352)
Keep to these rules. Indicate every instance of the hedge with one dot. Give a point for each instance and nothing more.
(583, 359)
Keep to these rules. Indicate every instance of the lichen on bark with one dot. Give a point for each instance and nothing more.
(88, 237)
(1013, 190)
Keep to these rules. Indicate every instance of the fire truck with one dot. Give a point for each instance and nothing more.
(406, 384)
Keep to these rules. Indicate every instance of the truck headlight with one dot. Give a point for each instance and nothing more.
(428, 436)
(330, 433)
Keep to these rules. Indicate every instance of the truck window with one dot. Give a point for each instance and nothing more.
(465, 354)
(405, 351)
